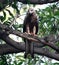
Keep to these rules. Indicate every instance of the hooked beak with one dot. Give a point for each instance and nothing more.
(30, 12)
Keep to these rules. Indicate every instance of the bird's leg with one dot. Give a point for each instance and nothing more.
(27, 44)
(34, 31)
(31, 44)
(28, 30)
(32, 49)
(27, 47)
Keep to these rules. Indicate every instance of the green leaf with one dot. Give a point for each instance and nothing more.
(48, 9)
(4, 13)
(57, 13)
(41, 61)
(19, 63)
(10, 13)
(55, 63)
(15, 62)
(7, 23)
(15, 6)
(1, 18)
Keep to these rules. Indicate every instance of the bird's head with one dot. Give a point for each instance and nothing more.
(31, 11)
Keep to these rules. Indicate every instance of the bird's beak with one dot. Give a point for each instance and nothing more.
(30, 12)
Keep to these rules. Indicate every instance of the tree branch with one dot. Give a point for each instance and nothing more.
(36, 39)
(5, 31)
(7, 49)
(32, 1)
(38, 1)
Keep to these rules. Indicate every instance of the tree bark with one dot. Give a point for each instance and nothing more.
(32, 1)
(19, 47)
(7, 49)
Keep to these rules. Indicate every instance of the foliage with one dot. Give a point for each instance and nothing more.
(3, 60)
(49, 20)
(48, 24)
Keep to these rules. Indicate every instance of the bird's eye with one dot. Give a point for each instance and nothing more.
(31, 10)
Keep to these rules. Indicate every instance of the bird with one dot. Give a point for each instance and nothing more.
(30, 26)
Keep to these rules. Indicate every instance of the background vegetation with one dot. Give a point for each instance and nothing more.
(12, 15)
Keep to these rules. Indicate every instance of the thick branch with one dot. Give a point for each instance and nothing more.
(36, 39)
(16, 45)
(5, 31)
(33, 1)
(27, 36)
(38, 1)
(6, 49)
